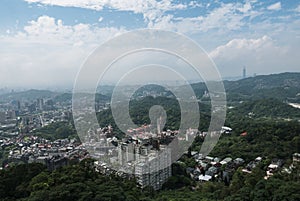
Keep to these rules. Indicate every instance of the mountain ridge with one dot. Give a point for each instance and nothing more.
(282, 86)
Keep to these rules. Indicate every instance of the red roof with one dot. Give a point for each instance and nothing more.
(244, 134)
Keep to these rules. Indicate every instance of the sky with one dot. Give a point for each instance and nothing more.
(44, 43)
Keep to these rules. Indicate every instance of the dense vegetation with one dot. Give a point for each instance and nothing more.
(139, 112)
(57, 130)
(67, 97)
(32, 182)
(284, 86)
(78, 182)
(264, 108)
(264, 138)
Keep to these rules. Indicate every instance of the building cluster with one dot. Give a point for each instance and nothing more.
(23, 117)
(252, 164)
(217, 169)
(19, 120)
(273, 167)
(295, 163)
(214, 168)
(144, 154)
(53, 154)
(147, 157)
(28, 106)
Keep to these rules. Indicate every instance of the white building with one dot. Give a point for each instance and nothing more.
(155, 169)
(126, 153)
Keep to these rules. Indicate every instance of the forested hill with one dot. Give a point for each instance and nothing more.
(265, 108)
(67, 97)
(266, 81)
(28, 95)
(284, 86)
(33, 94)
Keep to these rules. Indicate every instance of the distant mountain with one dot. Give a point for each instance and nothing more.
(64, 97)
(267, 81)
(33, 94)
(284, 86)
(28, 95)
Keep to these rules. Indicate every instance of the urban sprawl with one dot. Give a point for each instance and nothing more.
(142, 153)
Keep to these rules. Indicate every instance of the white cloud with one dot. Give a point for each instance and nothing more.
(49, 30)
(258, 55)
(235, 46)
(89, 4)
(222, 17)
(47, 52)
(151, 9)
(275, 6)
(245, 8)
(156, 13)
(195, 4)
(227, 17)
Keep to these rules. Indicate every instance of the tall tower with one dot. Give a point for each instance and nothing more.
(244, 72)
(159, 124)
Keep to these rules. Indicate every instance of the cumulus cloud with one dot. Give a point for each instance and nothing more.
(49, 30)
(47, 52)
(275, 6)
(258, 55)
(234, 47)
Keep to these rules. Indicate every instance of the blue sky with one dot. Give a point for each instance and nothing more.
(44, 42)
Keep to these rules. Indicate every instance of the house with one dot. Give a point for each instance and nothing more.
(226, 160)
(250, 166)
(278, 162)
(258, 159)
(226, 130)
(208, 159)
(204, 178)
(230, 166)
(216, 162)
(204, 165)
(239, 161)
(273, 167)
(212, 171)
